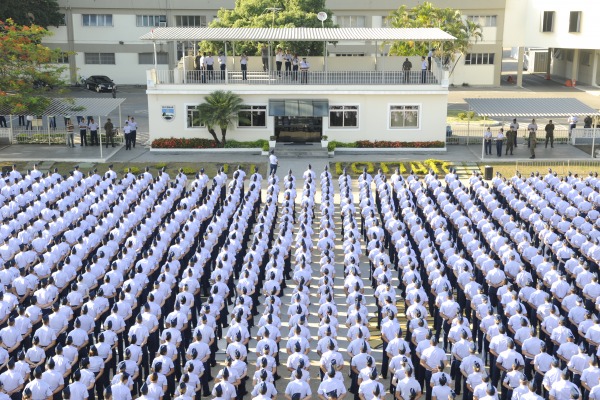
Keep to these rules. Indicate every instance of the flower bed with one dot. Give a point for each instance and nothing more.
(418, 167)
(197, 143)
(367, 144)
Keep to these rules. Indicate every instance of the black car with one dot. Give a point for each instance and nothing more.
(99, 83)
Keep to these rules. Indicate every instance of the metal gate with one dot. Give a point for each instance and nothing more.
(540, 62)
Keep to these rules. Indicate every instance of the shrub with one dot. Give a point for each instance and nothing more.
(389, 167)
(418, 168)
(180, 143)
(367, 144)
(160, 165)
(358, 167)
(265, 147)
(188, 171)
(339, 170)
(461, 115)
(471, 114)
(133, 170)
(324, 138)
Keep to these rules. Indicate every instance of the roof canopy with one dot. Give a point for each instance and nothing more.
(535, 107)
(89, 106)
(297, 34)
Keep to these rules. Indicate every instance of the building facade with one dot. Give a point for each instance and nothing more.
(568, 30)
(105, 35)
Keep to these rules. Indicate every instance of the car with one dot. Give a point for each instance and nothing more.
(100, 83)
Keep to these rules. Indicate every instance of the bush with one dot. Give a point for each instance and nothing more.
(179, 143)
(265, 147)
(133, 170)
(367, 144)
(234, 144)
(358, 167)
(160, 165)
(471, 114)
(461, 115)
(188, 171)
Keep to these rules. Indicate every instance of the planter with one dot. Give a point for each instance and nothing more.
(355, 150)
(230, 150)
(324, 143)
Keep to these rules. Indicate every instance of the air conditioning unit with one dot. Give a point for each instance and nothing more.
(162, 24)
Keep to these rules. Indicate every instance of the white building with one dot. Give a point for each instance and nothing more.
(105, 34)
(369, 100)
(568, 29)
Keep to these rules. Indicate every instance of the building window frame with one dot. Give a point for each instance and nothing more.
(351, 21)
(575, 21)
(63, 58)
(485, 21)
(146, 58)
(255, 121)
(404, 110)
(99, 58)
(193, 21)
(480, 58)
(97, 20)
(547, 23)
(190, 111)
(344, 110)
(144, 20)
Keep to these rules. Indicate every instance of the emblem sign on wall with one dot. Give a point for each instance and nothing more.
(168, 113)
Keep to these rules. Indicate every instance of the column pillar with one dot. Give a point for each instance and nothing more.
(595, 69)
(575, 67)
(521, 55)
(548, 64)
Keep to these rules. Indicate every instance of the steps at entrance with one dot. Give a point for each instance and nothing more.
(283, 150)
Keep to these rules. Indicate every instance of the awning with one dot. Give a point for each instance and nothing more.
(297, 34)
(298, 108)
(80, 106)
(534, 107)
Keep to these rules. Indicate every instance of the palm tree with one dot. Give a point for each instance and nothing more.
(220, 109)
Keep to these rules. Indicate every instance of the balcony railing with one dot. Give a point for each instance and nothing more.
(217, 77)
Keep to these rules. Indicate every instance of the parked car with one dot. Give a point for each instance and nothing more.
(99, 83)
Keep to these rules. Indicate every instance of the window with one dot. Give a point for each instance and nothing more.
(97, 19)
(150, 20)
(63, 58)
(404, 117)
(100, 58)
(253, 116)
(548, 21)
(575, 22)
(483, 20)
(63, 20)
(193, 114)
(190, 20)
(479, 59)
(148, 58)
(351, 21)
(570, 55)
(343, 116)
(586, 58)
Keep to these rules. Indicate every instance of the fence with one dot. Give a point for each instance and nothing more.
(312, 77)
(474, 135)
(51, 137)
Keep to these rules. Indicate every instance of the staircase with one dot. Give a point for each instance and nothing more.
(307, 150)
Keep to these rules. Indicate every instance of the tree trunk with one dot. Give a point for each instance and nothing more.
(223, 137)
(214, 135)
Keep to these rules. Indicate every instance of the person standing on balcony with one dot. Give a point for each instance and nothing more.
(3, 121)
(70, 130)
(304, 66)
(93, 132)
(406, 67)
(288, 62)
(279, 61)
(295, 63)
(210, 62)
(572, 121)
(29, 122)
(429, 58)
(244, 65)
(222, 64)
(264, 54)
(549, 133)
(202, 66)
(423, 69)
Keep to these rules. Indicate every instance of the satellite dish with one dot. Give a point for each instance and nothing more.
(322, 16)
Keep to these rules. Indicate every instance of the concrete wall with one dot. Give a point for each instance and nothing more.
(373, 112)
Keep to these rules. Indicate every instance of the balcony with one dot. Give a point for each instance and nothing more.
(217, 77)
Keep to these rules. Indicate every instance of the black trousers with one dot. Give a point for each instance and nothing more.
(133, 135)
(94, 138)
(244, 72)
(128, 141)
(83, 136)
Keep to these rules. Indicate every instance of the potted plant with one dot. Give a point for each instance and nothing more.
(272, 141)
(324, 141)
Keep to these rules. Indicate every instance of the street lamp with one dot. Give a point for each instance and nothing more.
(273, 10)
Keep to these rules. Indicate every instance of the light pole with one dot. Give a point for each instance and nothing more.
(273, 10)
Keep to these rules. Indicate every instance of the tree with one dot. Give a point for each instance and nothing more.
(44, 13)
(263, 14)
(220, 109)
(427, 16)
(27, 71)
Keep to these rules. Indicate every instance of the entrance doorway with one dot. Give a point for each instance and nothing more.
(298, 129)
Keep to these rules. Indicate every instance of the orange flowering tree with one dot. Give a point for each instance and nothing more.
(27, 69)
